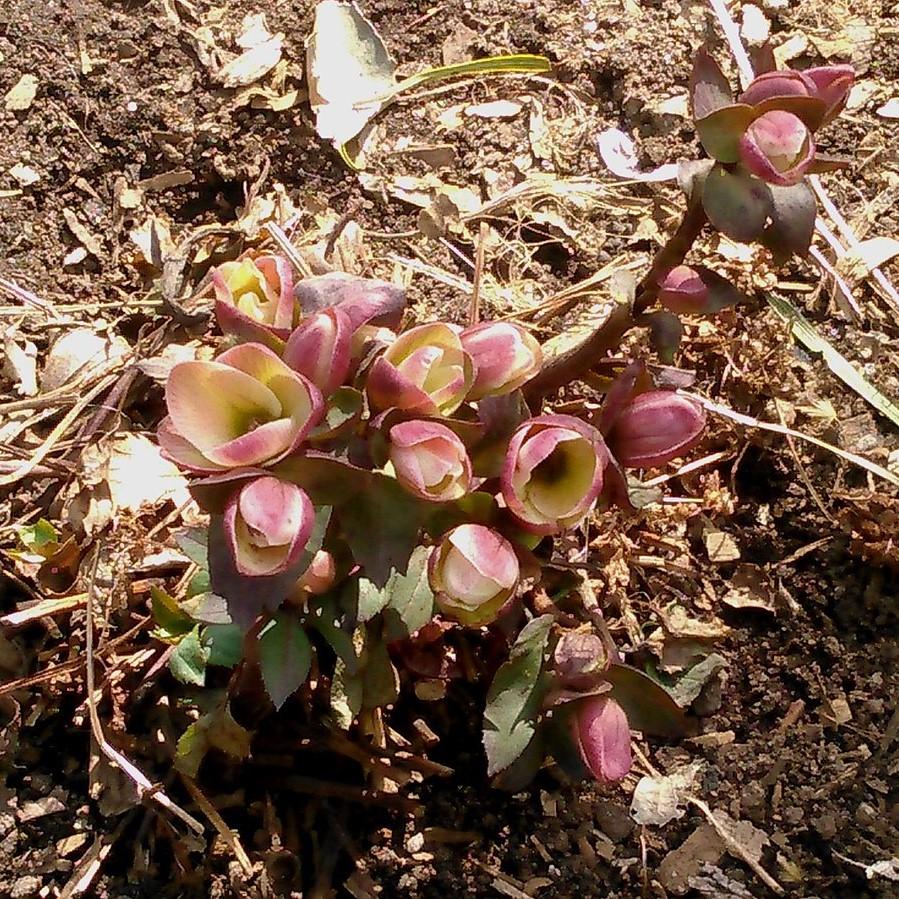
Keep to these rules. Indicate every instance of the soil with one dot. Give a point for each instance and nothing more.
(799, 730)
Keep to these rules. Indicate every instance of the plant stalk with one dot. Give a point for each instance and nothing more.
(574, 363)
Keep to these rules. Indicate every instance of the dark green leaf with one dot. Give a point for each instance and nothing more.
(722, 293)
(224, 644)
(793, 215)
(192, 542)
(285, 655)
(199, 583)
(343, 411)
(410, 604)
(207, 608)
(215, 730)
(709, 88)
(649, 706)
(665, 331)
(523, 770)
(171, 620)
(326, 619)
(380, 680)
(188, 661)
(736, 204)
(720, 132)
(514, 697)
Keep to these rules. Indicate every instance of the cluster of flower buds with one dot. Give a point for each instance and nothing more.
(762, 143)
(427, 395)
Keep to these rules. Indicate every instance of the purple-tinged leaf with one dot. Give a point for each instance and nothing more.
(710, 89)
(649, 707)
(762, 58)
(792, 226)
(736, 204)
(665, 333)
(285, 656)
(634, 379)
(365, 300)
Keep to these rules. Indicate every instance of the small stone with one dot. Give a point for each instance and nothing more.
(71, 844)
(415, 843)
(21, 95)
(26, 886)
(613, 820)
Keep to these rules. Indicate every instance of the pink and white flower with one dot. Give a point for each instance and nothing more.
(505, 357)
(254, 298)
(430, 460)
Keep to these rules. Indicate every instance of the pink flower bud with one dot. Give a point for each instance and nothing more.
(430, 460)
(246, 408)
(319, 348)
(775, 85)
(827, 87)
(683, 291)
(553, 472)
(655, 427)
(832, 85)
(778, 148)
(603, 737)
(473, 571)
(321, 574)
(254, 298)
(579, 660)
(267, 524)
(504, 355)
(424, 370)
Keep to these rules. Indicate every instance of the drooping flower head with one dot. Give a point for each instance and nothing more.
(603, 737)
(319, 348)
(473, 571)
(267, 524)
(430, 460)
(553, 472)
(424, 370)
(505, 357)
(245, 408)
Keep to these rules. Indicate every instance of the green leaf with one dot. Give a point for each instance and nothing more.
(285, 655)
(40, 537)
(523, 770)
(224, 644)
(346, 695)
(720, 131)
(192, 542)
(188, 661)
(215, 730)
(344, 409)
(648, 705)
(199, 583)
(380, 680)
(665, 330)
(407, 596)
(513, 700)
(736, 204)
(171, 620)
(709, 88)
(410, 604)
(690, 685)
(326, 619)
(207, 608)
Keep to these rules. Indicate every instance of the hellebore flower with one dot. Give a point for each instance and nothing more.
(473, 572)
(424, 370)
(245, 408)
(827, 87)
(319, 349)
(553, 472)
(778, 148)
(654, 427)
(267, 524)
(504, 355)
(683, 290)
(254, 298)
(430, 460)
(603, 737)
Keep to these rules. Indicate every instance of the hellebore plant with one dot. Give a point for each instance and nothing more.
(400, 491)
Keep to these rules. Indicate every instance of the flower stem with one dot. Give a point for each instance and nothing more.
(575, 362)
